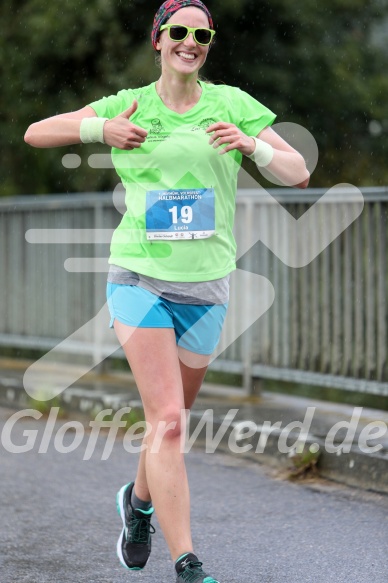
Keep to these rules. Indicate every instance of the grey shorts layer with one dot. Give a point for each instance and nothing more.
(203, 293)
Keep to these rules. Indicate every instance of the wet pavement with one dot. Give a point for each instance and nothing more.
(59, 521)
(351, 442)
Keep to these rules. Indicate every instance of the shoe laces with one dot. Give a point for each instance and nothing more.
(141, 528)
(191, 572)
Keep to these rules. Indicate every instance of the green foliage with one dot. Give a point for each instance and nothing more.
(314, 63)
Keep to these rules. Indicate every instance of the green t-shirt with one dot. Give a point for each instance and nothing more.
(176, 157)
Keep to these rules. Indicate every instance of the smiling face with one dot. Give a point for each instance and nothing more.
(186, 57)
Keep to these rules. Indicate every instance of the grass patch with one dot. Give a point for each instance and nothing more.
(44, 406)
(223, 378)
(304, 465)
(135, 415)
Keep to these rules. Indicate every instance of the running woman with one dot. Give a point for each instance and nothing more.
(177, 146)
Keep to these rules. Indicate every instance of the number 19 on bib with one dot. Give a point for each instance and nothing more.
(180, 214)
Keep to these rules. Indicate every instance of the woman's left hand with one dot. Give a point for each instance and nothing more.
(228, 133)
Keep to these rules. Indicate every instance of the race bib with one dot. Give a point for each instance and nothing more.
(180, 214)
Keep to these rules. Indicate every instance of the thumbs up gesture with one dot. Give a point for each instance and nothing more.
(120, 132)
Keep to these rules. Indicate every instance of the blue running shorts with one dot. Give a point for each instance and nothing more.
(197, 328)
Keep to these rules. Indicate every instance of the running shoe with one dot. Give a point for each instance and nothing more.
(190, 571)
(134, 544)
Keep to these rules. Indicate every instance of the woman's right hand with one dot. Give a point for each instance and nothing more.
(120, 132)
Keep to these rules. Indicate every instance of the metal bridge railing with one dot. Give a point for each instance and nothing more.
(327, 324)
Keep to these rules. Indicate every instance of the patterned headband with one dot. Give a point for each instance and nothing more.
(168, 9)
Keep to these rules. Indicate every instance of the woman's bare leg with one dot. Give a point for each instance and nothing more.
(192, 379)
(153, 357)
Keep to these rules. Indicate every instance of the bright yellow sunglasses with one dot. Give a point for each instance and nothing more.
(180, 32)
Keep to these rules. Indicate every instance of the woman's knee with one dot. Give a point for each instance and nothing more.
(167, 424)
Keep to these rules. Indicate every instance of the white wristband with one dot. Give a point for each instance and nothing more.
(263, 153)
(92, 130)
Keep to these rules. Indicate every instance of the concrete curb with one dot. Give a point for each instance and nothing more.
(368, 471)
(356, 469)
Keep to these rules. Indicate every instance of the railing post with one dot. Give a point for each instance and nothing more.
(99, 289)
(246, 308)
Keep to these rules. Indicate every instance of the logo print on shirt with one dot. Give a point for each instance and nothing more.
(157, 126)
(204, 124)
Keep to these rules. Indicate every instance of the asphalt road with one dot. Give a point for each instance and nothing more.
(59, 522)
